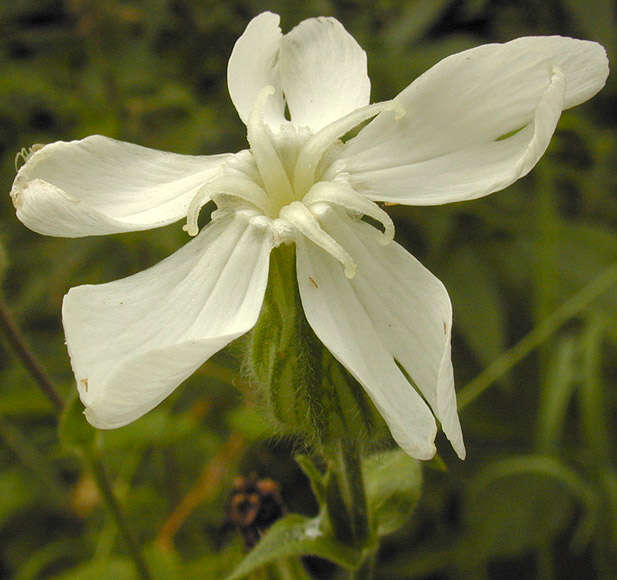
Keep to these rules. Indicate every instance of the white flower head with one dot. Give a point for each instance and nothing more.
(471, 125)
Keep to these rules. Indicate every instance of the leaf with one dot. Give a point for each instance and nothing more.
(578, 265)
(45, 557)
(478, 308)
(163, 564)
(16, 494)
(296, 535)
(315, 477)
(101, 569)
(557, 392)
(415, 21)
(519, 503)
(393, 483)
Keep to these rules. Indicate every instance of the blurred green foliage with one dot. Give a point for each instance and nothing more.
(537, 496)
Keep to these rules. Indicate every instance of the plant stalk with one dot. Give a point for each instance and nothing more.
(104, 486)
(18, 343)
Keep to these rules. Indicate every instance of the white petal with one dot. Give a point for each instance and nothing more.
(253, 64)
(411, 312)
(133, 341)
(323, 73)
(449, 146)
(359, 326)
(102, 186)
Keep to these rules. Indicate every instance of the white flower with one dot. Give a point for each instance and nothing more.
(471, 125)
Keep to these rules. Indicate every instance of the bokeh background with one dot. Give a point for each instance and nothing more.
(537, 496)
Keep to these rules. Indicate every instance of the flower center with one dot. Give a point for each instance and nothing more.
(279, 180)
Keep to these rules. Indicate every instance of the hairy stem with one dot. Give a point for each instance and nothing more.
(346, 499)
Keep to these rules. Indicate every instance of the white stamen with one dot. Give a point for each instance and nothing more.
(230, 185)
(316, 146)
(266, 157)
(341, 194)
(26, 153)
(298, 215)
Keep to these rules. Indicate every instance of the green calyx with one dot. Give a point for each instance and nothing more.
(306, 390)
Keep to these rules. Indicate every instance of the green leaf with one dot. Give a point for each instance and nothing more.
(315, 477)
(557, 392)
(103, 569)
(393, 483)
(16, 494)
(74, 431)
(164, 564)
(520, 503)
(296, 535)
(415, 21)
(46, 557)
(478, 307)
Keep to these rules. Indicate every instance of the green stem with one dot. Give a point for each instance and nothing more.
(18, 343)
(346, 499)
(538, 335)
(366, 571)
(104, 487)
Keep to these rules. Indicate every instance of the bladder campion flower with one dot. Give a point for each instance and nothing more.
(471, 125)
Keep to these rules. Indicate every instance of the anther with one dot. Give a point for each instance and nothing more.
(342, 195)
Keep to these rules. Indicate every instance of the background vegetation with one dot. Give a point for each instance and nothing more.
(537, 496)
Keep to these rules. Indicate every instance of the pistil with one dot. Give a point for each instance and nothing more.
(269, 164)
(314, 149)
(227, 184)
(341, 194)
(303, 220)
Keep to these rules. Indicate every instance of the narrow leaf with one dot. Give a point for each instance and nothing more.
(296, 535)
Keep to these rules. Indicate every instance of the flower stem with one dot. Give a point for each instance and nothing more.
(104, 486)
(18, 343)
(365, 572)
(346, 499)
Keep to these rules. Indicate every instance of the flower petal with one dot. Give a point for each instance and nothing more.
(253, 64)
(323, 73)
(133, 341)
(383, 313)
(102, 186)
(450, 145)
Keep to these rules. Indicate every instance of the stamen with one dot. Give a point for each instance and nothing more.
(316, 146)
(234, 186)
(341, 194)
(266, 157)
(305, 222)
(26, 153)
